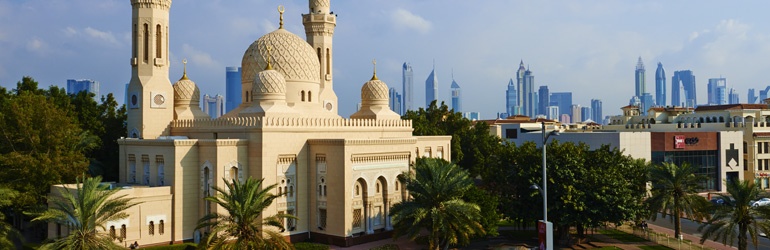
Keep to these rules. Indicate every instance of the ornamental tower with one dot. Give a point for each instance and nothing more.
(150, 94)
(319, 30)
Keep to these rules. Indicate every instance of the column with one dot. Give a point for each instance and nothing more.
(368, 215)
(388, 226)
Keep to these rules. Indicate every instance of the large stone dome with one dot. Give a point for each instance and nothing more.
(269, 83)
(290, 55)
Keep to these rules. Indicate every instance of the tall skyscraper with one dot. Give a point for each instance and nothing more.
(596, 110)
(660, 86)
(717, 91)
(544, 100)
(407, 85)
(647, 102)
(639, 74)
(76, 86)
(734, 98)
(585, 113)
(456, 97)
(431, 88)
(575, 110)
(525, 88)
(683, 80)
(511, 100)
(395, 100)
(563, 100)
(232, 88)
(214, 106)
(763, 94)
(752, 98)
(553, 113)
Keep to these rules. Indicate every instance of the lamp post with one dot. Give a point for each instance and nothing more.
(548, 226)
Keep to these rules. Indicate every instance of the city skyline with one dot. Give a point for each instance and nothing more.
(731, 43)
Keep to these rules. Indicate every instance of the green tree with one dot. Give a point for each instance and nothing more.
(243, 227)
(737, 219)
(439, 120)
(86, 212)
(7, 233)
(436, 187)
(675, 193)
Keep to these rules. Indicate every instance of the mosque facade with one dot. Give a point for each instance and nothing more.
(337, 175)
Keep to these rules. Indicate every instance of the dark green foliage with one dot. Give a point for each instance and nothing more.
(488, 204)
(185, 246)
(242, 226)
(675, 193)
(436, 188)
(738, 220)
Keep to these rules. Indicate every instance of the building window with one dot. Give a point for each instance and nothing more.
(146, 169)
(397, 184)
(131, 169)
(378, 218)
(766, 147)
(146, 38)
(358, 190)
(283, 220)
(511, 133)
(759, 165)
(745, 149)
(160, 227)
(113, 234)
(123, 231)
(151, 228)
(158, 41)
(328, 62)
(318, 50)
(290, 223)
(309, 96)
(234, 173)
(759, 147)
(133, 48)
(161, 171)
(377, 187)
(357, 217)
(303, 95)
(322, 218)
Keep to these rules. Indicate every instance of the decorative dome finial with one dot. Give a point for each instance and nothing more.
(184, 74)
(374, 75)
(268, 48)
(281, 9)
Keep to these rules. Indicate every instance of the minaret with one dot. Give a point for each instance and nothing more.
(319, 30)
(150, 94)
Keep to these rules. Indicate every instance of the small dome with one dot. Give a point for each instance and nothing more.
(269, 82)
(374, 90)
(291, 56)
(186, 90)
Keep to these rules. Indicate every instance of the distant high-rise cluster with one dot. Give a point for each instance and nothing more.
(232, 88)
(88, 85)
(525, 86)
(717, 91)
(407, 85)
(214, 106)
(596, 110)
(431, 88)
(683, 89)
(395, 100)
(511, 98)
(456, 95)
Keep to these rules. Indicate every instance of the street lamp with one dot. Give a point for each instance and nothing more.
(548, 228)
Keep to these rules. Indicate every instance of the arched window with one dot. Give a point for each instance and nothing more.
(328, 62)
(309, 96)
(123, 231)
(146, 37)
(206, 177)
(134, 42)
(151, 228)
(377, 188)
(358, 190)
(113, 234)
(160, 227)
(158, 41)
(303, 95)
(318, 50)
(234, 173)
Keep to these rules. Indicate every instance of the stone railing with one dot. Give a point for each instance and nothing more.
(267, 122)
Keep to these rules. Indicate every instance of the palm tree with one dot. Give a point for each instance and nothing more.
(674, 193)
(738, 219)
(85, 212)
(7, 232)
(241, 227)
(436, 187)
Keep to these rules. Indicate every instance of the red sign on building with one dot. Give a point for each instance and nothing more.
(679, 141)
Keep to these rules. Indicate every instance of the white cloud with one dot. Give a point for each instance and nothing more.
(70, 32)
(197, 57)
(37, 45)
(101, 35)
(403, 19)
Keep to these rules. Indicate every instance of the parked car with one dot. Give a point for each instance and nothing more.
(761, 202)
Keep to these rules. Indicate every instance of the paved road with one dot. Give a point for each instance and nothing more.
(690, 227)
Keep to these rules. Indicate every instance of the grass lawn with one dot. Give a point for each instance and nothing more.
(621, 236)
(655, 248)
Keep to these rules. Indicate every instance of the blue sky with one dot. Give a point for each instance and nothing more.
(587, 47)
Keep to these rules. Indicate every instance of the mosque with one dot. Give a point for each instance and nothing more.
(338, 176)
